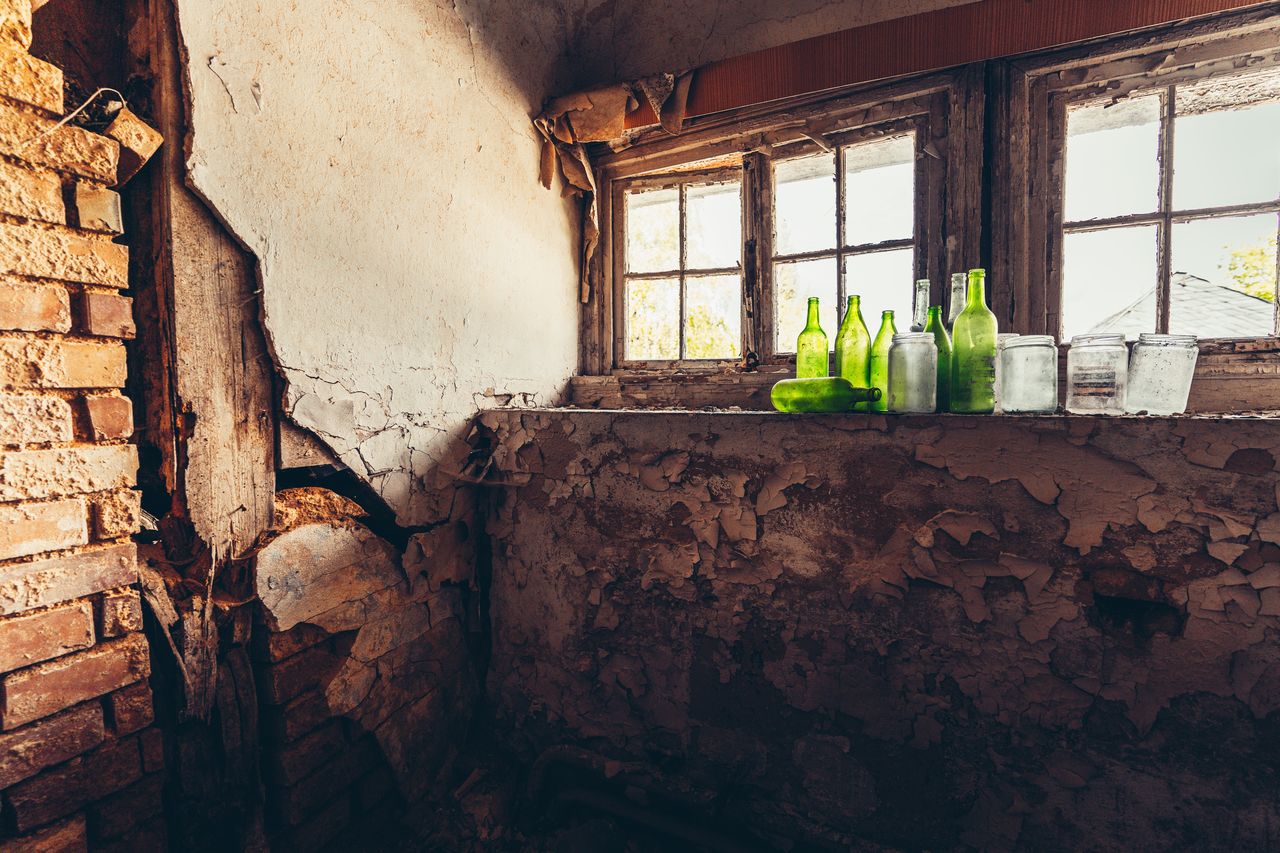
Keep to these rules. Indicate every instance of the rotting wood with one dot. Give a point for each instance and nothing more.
(214, 426)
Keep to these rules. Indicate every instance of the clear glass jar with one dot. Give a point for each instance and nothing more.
(1097, 374)
(1028, 367)
(1001, 339)
(1160, 372)
(913, 373)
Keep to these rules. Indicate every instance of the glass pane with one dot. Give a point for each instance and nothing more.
(713, 215)
(1112, 162)
(804, 204)
(793, 284)
(713, 317)
(879, 190)
(653, 230)
(1224, 279)
(1224, 141)
(885, 281)
(653, 319)
(1109, 281)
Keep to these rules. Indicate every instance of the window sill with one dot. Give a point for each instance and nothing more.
(1225, 383)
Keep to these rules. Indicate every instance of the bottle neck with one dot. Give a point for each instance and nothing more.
(935, 317)
(977, 289)
(813, 321)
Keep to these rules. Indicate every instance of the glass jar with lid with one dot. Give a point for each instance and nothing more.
(913, 373)
(1097, 374)
(1028, 371)
(1160, 372)
(1001, 339)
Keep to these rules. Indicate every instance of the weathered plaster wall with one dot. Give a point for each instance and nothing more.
(379, 161)
(628, 39)
(1053, 634)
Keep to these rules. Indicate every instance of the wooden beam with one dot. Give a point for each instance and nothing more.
(917, 43)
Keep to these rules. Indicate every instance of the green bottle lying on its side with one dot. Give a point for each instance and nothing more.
(828, 394)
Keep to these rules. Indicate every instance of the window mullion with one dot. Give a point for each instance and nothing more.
(684, 260)
(841, 284)
(1164, 232)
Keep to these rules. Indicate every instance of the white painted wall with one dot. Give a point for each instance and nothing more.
(377, 157)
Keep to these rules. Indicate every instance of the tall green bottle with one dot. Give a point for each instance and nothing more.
(813, 358)
(880, 361)
(973, 354)
(853, 349)
(943, 340)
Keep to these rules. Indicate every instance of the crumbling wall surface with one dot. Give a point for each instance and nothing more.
(380, 162)
(628, 39)
(931, 632)
(80, 761)
(362, 665)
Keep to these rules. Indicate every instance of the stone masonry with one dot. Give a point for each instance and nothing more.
(81, 763)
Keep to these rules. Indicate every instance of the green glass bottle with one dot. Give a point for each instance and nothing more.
(943, 340)
(831, 394)
(973, 351)
(879, 373)
(813, 358)
(853, 348)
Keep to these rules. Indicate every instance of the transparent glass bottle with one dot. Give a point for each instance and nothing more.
(829, 394)
(1160, 372)
(853, 348)
(1001, 339)
(943, 342)
(973, 352)
(880, 361)
(913, 373)
(920, 305)
(1029, 375)
(1097, 374)
(813, 359)
(955, 302)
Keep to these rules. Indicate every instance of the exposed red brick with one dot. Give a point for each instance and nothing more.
(41, 690)
(27, 529)
(39, 363)
(30, 749)
(151, 742)
(27, 640)
(40, 583)
(107, 315)
(66, 837)
(131, 708)
(96, 208)
(138, 141)
(293, 762)
(290, 722)
(316, 833)
(29, 80)
(67, 149)
(280, 683)
(34, 307)
(292, 805)
(117, 815)
(151, 835)
(61, 790)
(26, 192)
(108, 417)
(34, 420)
(26, 474)
(120, 613)
(15, 23)
(115, 514)
(277, 645)
(62, 254)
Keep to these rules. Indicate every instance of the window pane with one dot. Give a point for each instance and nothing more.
(885, 281)
(1224, 279)
(714, 218)
(653, 319)
(804, 204)
(793, 284)
(879, 190)
(1109, 281)
(653, 230)
(1112, 162)
(713, 317)
(1225, 141)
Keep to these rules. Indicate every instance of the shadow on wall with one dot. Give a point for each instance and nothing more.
(1048, 634)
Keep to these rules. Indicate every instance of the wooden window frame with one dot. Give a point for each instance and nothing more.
(946, 111)
(1030, 100)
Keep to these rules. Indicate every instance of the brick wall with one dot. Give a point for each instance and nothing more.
(80, 763)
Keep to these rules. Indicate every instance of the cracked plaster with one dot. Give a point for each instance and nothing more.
(1020, 633)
